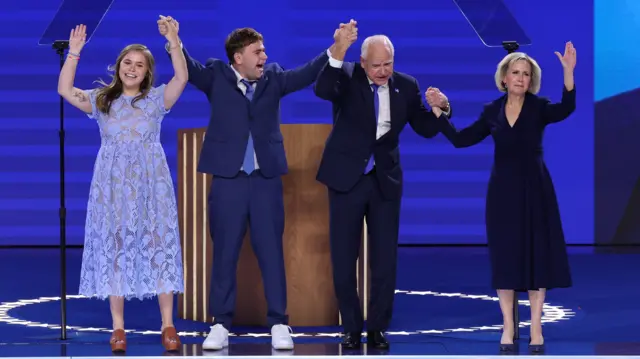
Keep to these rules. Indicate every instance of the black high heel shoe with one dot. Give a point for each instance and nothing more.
(507, 347)
(504, 348)
(536, 348)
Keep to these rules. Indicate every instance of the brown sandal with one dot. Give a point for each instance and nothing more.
(118, 341)
(170, 339)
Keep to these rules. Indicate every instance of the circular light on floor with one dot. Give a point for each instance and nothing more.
(551, 314)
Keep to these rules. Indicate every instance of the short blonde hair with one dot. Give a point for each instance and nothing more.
(503, 67)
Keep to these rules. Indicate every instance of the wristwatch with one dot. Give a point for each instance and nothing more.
(446, 109)
(167, 46)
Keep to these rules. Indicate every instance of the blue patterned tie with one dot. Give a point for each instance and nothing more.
(248, 165)
(376, 104)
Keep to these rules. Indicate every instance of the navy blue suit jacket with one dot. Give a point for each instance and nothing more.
(233, 115)
(353, 137)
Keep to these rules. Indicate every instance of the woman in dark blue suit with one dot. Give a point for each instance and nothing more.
(524, 230)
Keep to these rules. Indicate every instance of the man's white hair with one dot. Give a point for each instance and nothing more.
(380, 39)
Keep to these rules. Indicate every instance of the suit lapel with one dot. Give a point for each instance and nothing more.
(394, 98)
(366, 92)
(260, 86)
(231, 76)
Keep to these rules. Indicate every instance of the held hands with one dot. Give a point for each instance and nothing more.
(77, 39)
(436, 99)
(346, 35)
(436, 111)
(169, 27)
(568, 60)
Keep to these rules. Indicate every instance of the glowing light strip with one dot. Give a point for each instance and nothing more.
(194, 240)
(183, 239)
(551, 314)
(205, 242)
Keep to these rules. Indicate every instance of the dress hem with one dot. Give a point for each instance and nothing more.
(130, 296)
(523, 290)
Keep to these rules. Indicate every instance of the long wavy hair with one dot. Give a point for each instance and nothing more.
(109, 92)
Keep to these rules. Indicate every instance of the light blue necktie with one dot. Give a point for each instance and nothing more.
(376, 104)
(248, 165)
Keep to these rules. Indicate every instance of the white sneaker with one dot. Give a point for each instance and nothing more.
(281, 337)
(217, 339)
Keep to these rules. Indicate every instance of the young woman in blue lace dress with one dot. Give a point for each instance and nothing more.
(132, 241)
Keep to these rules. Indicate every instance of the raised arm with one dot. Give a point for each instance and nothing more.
(76, 97)
(332, 80)
(467, 137)
(176, 85)
(305, 75)
(556, 112)
(200, 76)
(302, 76)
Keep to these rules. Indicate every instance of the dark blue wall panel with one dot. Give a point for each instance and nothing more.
(445, 187)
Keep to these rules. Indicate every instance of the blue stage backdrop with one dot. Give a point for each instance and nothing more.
(445, 187)
(617, 91)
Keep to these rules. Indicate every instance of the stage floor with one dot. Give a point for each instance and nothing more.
(443, 308)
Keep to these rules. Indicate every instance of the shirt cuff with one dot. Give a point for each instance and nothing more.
(333, 62)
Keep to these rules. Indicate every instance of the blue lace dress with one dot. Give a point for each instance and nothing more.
(132, 240)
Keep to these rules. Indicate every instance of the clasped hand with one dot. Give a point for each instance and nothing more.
(346, 34)
(169, 27)
(435, 98)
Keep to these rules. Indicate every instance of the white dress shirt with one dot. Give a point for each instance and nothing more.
(384, 109)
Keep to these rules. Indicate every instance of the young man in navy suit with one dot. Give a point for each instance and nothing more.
(243, 150)
(361, 168)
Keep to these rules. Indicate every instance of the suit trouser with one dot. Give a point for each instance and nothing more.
(234, 203)
(347, 212)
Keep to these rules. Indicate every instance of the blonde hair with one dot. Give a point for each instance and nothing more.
(503, 67)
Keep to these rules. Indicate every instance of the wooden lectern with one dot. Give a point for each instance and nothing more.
(310, 293)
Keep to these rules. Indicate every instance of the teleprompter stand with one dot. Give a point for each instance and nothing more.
(70, 14)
